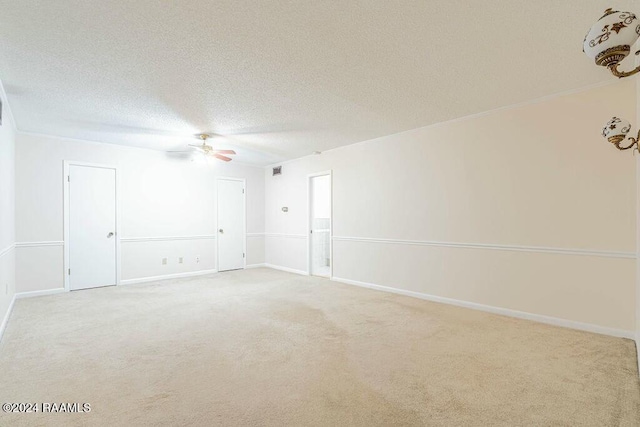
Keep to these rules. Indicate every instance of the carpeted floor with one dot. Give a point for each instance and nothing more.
(263, 347)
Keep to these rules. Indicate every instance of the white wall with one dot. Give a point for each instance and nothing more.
(635, 129)
(168, 209)
(7, 209)
(525, 208)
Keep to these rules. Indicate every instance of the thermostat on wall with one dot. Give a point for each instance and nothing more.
(285, 209)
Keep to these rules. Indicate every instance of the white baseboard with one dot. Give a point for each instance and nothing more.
(287, 269)
(167, 276)
(5, 320)
(31, 294)
(256, 265)
(638, 348)
(588, 327)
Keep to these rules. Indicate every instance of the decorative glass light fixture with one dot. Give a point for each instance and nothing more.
(616, 131)
(610, 39)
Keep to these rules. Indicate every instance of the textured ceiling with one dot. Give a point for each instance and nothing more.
(282, 79)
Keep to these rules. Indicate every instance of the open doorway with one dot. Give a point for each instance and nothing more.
(320, 224)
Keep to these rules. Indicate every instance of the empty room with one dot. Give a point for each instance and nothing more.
(319, 213)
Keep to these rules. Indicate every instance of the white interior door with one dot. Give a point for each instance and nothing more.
(92, 227)
(320, 224)
(231, 224)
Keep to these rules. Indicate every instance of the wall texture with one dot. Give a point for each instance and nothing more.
(7, 209)
(525, 208)
(636, 127)
(168, 209)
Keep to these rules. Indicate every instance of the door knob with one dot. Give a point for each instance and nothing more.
(221, 230)
(110, 235)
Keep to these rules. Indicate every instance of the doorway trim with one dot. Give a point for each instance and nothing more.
(244, 228)
(65, 179)
(309, 242)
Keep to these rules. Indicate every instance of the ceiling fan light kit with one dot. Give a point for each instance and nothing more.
(208, 150)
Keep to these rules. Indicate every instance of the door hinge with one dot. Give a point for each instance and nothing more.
(69, 272)
(243, 191)
(243, 255)
(68, 178)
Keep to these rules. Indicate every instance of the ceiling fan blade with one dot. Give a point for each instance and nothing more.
(225, 151)
(221, 157)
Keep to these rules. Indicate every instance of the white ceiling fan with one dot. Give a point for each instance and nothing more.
(210, 151)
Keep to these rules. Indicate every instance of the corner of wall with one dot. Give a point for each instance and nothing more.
(637, 226)
(7, 212)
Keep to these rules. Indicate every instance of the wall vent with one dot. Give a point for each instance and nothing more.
(277, 170)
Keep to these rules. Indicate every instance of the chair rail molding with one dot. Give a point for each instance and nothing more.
(6, 250)
(287, 235)
(167, 238)
(490, 246)
(39, 244)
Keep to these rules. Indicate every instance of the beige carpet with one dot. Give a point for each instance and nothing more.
(262, 347)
